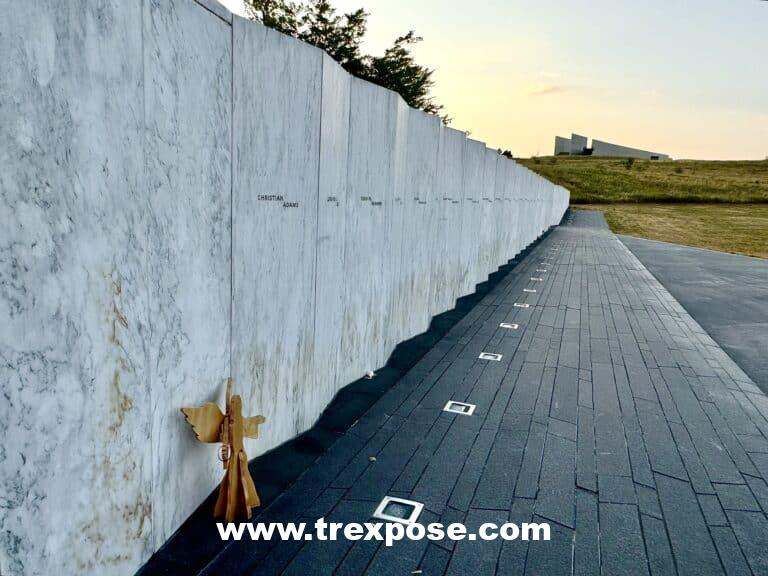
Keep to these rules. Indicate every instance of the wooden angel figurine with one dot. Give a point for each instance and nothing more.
(237, 493)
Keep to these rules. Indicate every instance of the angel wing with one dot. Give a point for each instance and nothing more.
(251, 426)
(205, 421)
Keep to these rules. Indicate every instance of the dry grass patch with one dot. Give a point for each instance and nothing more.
(735, 228)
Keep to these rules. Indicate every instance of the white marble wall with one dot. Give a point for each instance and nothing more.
(74, 327)
(276, 115)
(186, 196)
(330, 277)
(187, 150)
(419, 217)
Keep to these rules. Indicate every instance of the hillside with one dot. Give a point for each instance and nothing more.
(709, 204)
(609, 180)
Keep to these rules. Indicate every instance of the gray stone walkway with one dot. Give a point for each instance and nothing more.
(727, 294)
(611, 414)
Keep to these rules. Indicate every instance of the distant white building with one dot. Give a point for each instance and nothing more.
(577, 145)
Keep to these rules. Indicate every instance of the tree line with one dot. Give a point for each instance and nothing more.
(341, 36)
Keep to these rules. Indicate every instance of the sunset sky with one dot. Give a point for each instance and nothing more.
(684, 77)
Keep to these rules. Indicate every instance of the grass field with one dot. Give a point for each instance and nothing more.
(735, 228)
(608, 180)
(717, 205)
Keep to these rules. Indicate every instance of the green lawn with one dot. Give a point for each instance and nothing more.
(717, 205)
(608, 180)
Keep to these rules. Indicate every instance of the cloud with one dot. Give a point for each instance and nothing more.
(545, 89)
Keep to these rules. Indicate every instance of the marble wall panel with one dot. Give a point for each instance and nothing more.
(74, 327)
(330, 277)
(488, 225)
(396, 326)
(276, 114)
(187, 150)
(447, 233)
(370, 176)
(418, 218)
(470, 228)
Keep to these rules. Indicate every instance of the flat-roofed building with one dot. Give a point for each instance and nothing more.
(578, 145)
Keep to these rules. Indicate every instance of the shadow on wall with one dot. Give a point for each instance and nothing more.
(178, 213)
(197, 543)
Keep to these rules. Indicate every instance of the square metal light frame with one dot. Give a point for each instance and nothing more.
(451, 403)
(490, 356)
(521, 305)
(380, 515)
(509, 325)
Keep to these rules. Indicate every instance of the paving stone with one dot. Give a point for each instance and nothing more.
(730, 552)
(586, 473)
(728, 438)
(661, 447)
(687, 529)
(565, 395)
(321, 557)
(379, 476)
(450, 516)
(640, 382)
(553, 557)
(325, 502)
(621, 544)
(435, 561)
(753, 443)
(479, 556)
(555, 500)
(717, 462)
(736, 497)
(471, 471)
(403, 557)
(760, 490)
(437, 483)
(528, 479)
(586, 549)
(616, 489)
(514, 552)
(415, 467)
(751, 529)
(693, 465)
(713, 511)
(604, 386)
(612, 455)
(526, 390)
(660, 558)
(565, 430)
(497, 482)
(543, 402)
(648, 501)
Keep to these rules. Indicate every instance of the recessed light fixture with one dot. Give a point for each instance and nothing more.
(392, 509)
(521, 305)
(529, 290)
(541, 270)
(509, 326)
(537, 279)
(489, 356)
(459, 408)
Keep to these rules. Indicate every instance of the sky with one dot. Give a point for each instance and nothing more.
(684, 77)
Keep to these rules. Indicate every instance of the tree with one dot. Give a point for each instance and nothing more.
(398, 71)
(316, 22)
